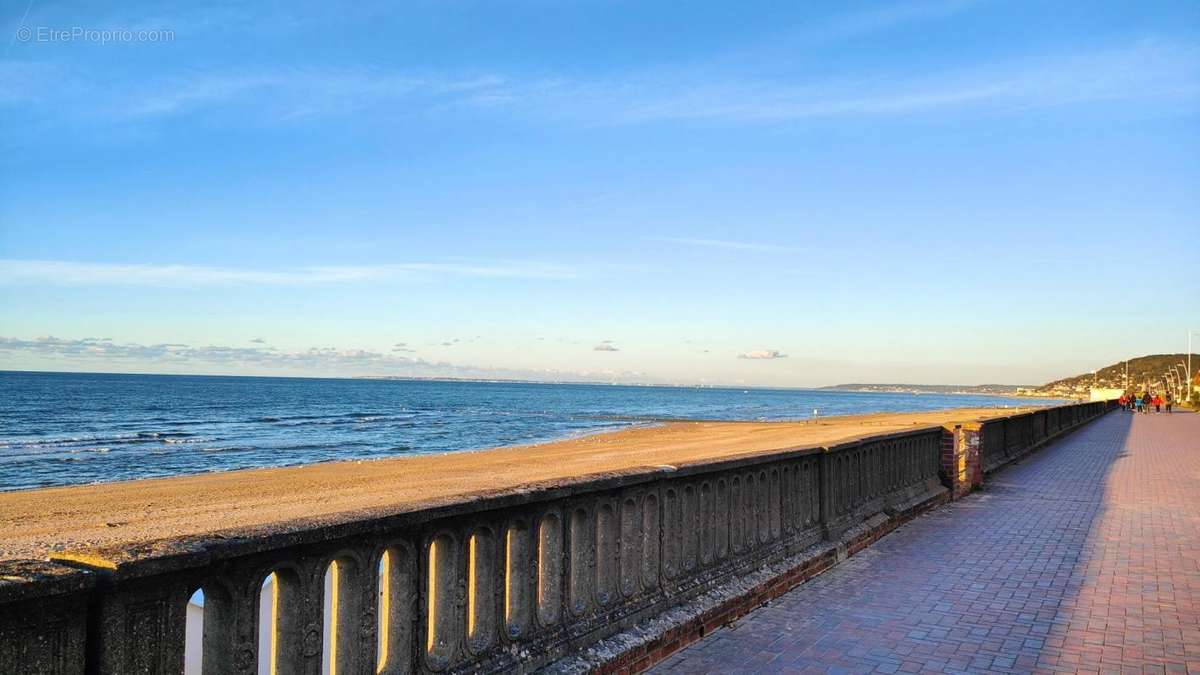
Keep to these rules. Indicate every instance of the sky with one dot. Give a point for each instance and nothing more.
(751, 193)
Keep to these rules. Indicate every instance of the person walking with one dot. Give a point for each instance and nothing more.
(1157, 401)
(1146, 402)
(1170, 401)
(1137, 403)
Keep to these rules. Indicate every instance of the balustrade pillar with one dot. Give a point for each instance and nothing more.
(43, 617)
(961, 467)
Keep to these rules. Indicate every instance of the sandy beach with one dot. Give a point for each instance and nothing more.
(36, 522)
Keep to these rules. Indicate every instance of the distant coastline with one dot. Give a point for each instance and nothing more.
(941, 389)
(989, 389)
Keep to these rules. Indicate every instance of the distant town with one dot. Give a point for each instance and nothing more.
(988, 389)
(1157, 373)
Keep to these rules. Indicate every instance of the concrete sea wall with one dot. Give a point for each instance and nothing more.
(607, 573)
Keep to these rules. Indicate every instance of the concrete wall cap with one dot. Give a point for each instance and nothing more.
(23, 579)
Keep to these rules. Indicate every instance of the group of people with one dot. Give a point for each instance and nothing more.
(1141, 402)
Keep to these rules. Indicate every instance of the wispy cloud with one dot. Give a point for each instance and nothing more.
(879, 18)
(725, 244)
(104, 353)
(318, 359)
(1144, 72)
(304, 92)
(66, 273)
(1148, 71)
(606, 346)
(23, 83)
(762, 354)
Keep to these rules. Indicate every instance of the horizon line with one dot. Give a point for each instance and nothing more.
(506, 380)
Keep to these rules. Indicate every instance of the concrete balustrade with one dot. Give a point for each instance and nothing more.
(493, 583)
(1007, 439)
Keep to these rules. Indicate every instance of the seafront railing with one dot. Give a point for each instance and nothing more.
(486, 583)
(1009, 438)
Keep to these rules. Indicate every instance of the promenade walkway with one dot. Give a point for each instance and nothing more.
(1083, 558)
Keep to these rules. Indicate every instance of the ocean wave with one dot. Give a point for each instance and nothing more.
(69, 442)
(110, 439)
(271, 419)
(189, 423)
(316, 421)
(346, 420)
(316, 446)
(83, 454)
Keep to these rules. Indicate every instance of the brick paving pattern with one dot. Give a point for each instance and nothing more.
(1083, 558)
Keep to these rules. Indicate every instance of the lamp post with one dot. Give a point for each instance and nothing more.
(1190, 373)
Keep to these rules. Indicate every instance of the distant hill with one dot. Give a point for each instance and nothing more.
(1141, 370)
(994, 389)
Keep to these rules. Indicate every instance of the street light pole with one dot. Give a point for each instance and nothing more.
(1190, 374)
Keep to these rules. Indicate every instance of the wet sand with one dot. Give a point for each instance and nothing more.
(36, 522)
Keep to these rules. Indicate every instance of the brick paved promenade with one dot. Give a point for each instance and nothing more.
(1083, 558)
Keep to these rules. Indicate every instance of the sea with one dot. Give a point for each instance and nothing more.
(75, 428)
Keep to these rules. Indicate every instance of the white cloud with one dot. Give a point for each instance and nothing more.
(606, 346)
(762, 354)
(103, 354)
(65, 273)
(98, 348)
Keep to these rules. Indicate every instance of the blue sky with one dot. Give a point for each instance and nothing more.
(943, 191)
